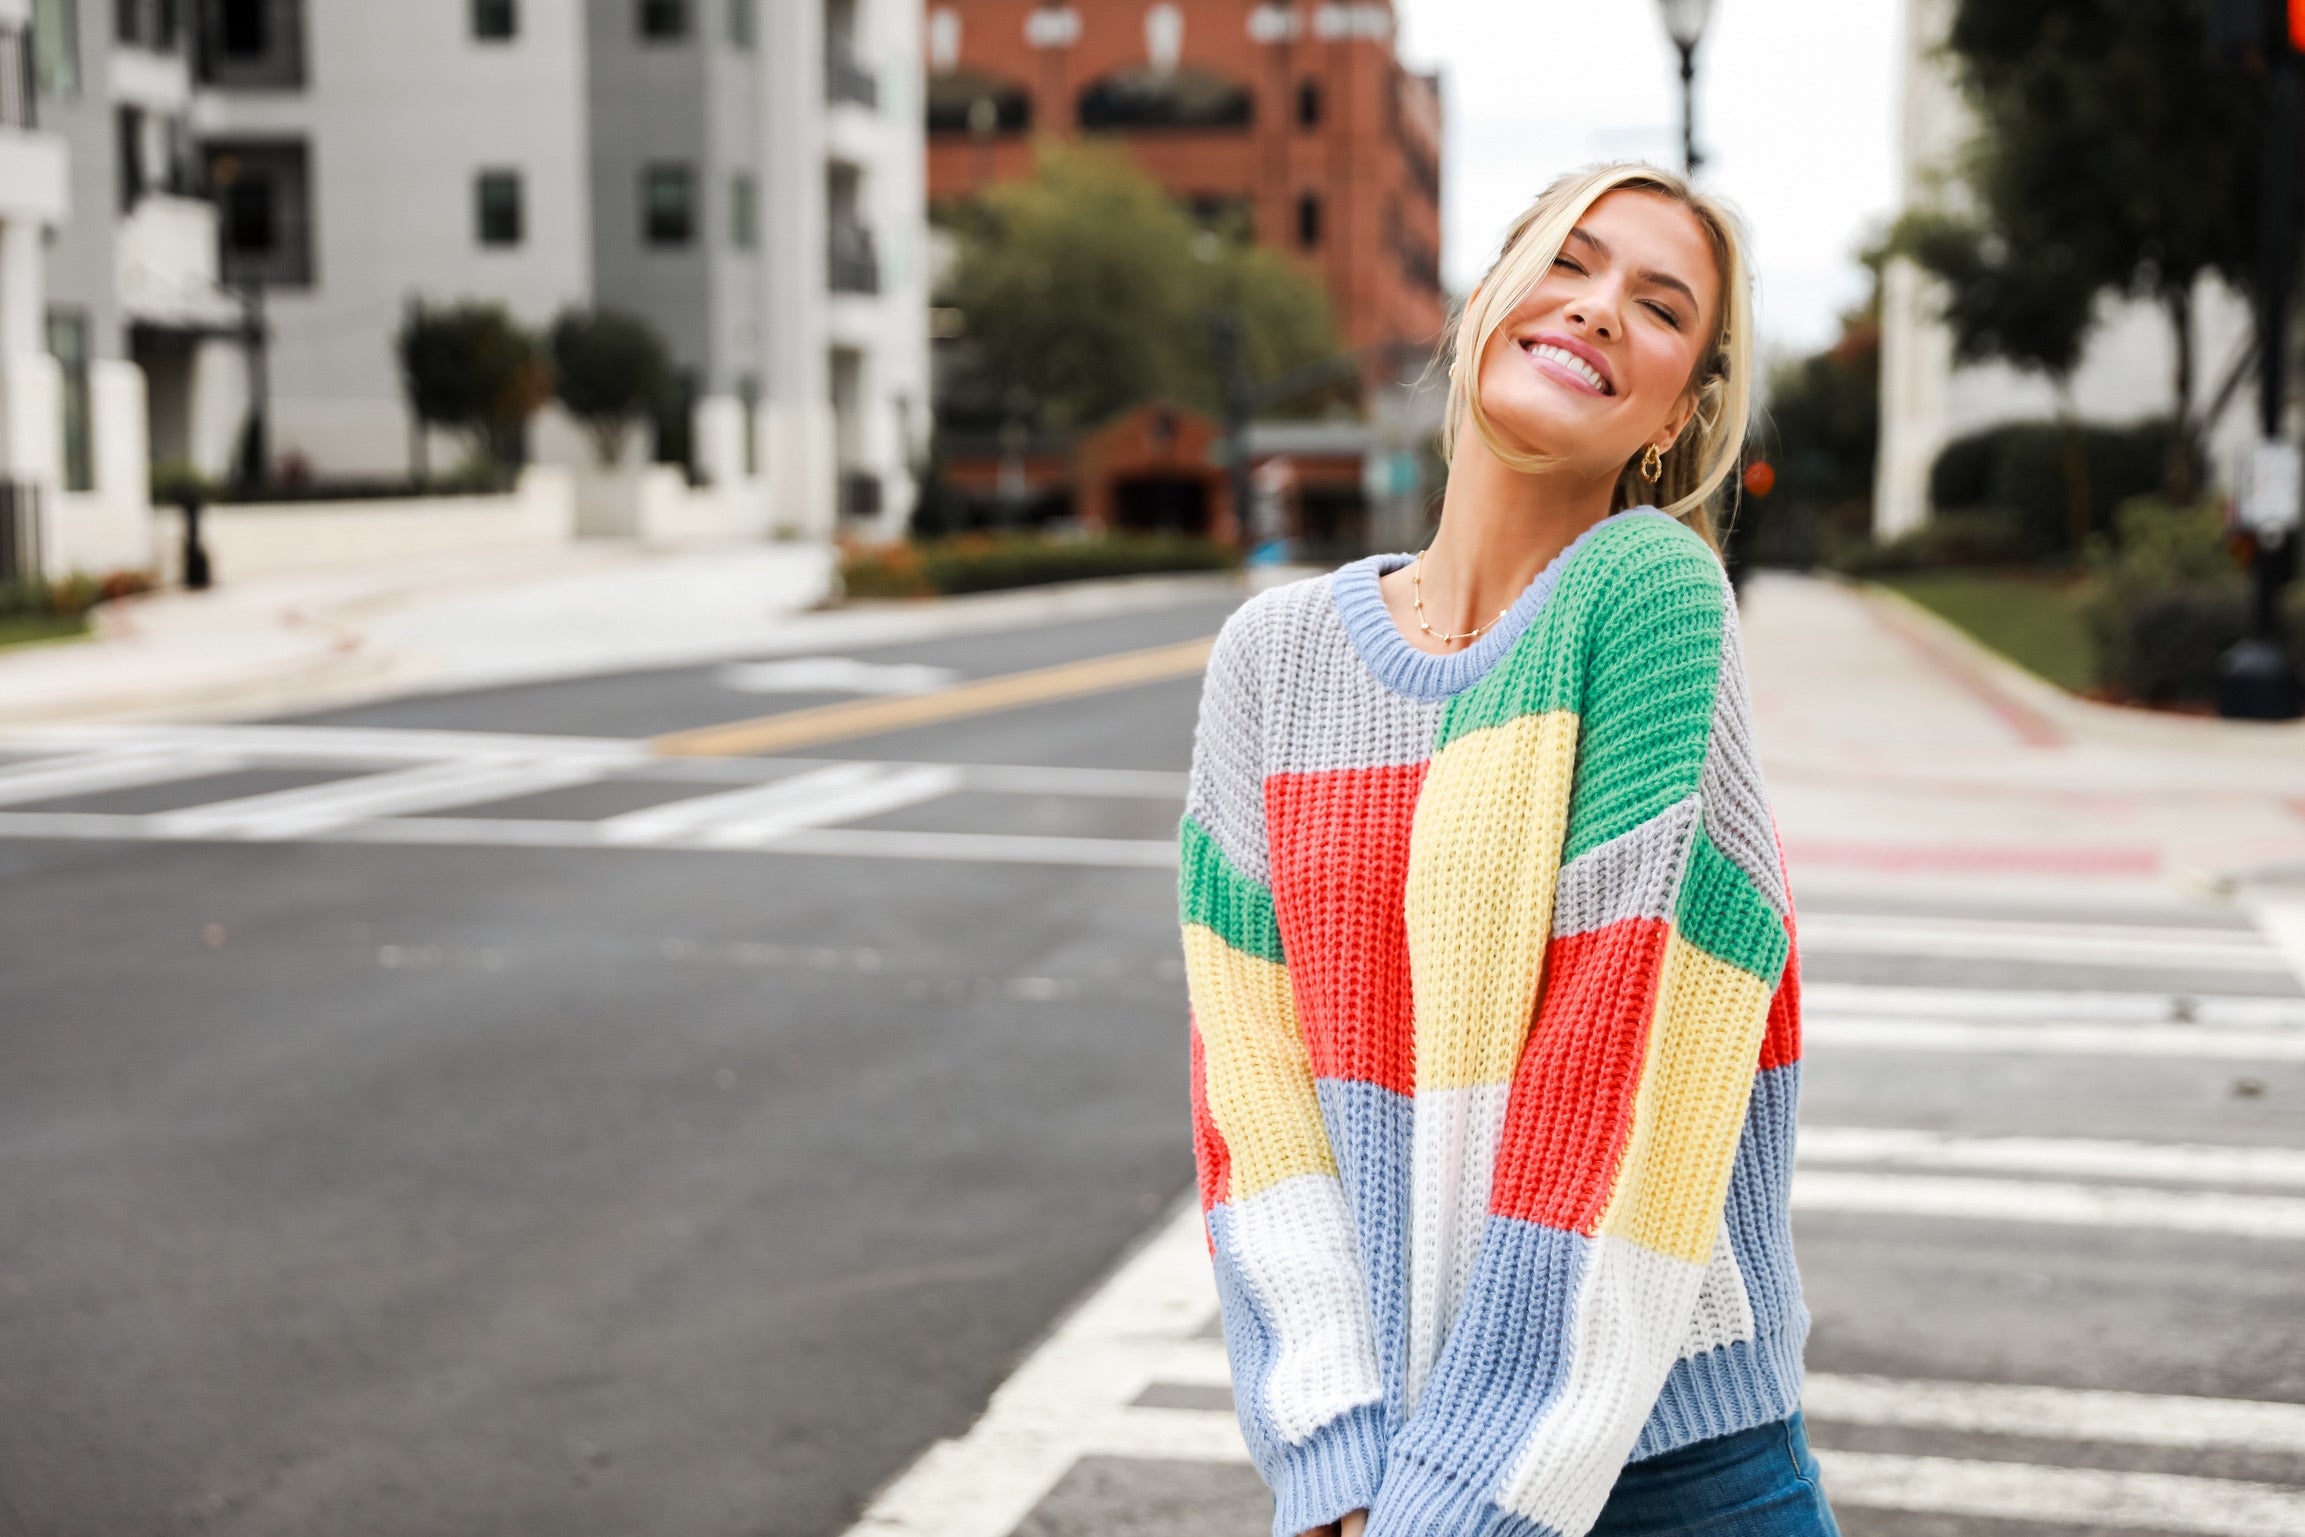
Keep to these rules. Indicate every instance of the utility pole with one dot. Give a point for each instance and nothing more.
(1240, 394)
(2255, 679)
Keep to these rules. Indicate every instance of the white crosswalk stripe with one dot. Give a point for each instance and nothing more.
(1972, 939)
(759, 814)
(2077, 1157)
(94, 773)
(318, 808)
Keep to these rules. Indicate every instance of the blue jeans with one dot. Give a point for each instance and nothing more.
(1757, 1483)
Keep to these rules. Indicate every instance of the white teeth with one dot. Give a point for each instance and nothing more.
(1572, 363)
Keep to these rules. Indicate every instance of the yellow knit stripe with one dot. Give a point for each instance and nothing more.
(1484, 855)
(1260, 1082)
(1690, 1108)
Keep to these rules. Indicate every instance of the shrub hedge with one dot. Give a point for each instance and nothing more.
(2015, 473)
(2169, 601)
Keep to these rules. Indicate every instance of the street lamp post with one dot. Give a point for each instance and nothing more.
(1685, 23)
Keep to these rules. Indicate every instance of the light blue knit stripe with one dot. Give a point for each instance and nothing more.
(1369, 1129)
(1421, 674)
(1338, 1471)
(1502, 1366)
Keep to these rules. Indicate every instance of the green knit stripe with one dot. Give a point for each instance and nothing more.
(1723, 913)
(1212, 892)
(1653, 667)
(1540, 672)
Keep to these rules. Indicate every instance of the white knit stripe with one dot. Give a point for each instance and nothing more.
(1293, 1246)
(1452, 1152)
(1724, 1311)
(1630, 1313)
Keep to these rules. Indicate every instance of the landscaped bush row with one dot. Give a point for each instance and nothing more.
(67, 597)
(2169, 600)
(176, 483)
(983, 562)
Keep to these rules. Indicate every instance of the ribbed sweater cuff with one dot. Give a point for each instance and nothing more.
(1335, 1473)
(1421, 1501)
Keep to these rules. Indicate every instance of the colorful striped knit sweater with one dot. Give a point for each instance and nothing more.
(1495, 1044)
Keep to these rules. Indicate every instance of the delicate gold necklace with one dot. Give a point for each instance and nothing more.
(1417, 587)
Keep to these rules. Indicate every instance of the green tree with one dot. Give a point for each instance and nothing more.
(471, 368)
(1084, 290)
(2110, 156)
(611, 371)
(1820, 427)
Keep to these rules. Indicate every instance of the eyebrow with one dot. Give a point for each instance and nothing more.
(1647, 274)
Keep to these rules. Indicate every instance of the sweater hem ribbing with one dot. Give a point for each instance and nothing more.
(1335, 1473)
(1731, 1388)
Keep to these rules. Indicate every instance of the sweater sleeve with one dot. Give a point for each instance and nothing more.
(1626, 1096)
(1296, 1315)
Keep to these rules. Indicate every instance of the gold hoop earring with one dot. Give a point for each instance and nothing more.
(1653, 464)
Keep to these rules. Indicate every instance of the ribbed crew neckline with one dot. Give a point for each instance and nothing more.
(1401, 667)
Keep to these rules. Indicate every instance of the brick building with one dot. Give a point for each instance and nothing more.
(1295, 121)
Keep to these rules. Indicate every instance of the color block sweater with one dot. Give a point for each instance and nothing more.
(1495, 1041)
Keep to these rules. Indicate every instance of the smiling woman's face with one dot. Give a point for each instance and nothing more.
(1597, 359)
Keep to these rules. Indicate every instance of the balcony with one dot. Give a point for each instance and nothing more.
(852, 266)
(167, 263)
(845, 80)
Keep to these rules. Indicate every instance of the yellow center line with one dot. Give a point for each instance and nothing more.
(823, 723)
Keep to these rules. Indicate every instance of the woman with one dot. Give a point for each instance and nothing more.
(1495, 1013)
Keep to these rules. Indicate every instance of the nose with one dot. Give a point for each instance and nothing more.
(1596, 310)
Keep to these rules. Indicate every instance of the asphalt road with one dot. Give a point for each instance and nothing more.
(455, 1184)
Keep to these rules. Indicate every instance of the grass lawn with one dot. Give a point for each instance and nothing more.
(2034, 621)
(33, 629)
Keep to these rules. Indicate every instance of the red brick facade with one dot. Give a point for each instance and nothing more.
(1297, 117)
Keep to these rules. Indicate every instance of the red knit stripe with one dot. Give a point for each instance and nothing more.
(1783, 1042)
(1571, 1106)
(1211, 1158)
(1340, 852)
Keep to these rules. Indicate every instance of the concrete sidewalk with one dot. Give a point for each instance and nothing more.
(327, 639)
(1895, 745)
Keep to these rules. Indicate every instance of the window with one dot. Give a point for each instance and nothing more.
(668, 205)
(495, 21)
(1309, 220)
(134, 181)
(743, 211)
(1309, 104)
(243, 29)
(743, 23)
(748, 392)
(496, 208)
(263, 193)
(663, 20)
(56, 47)
(252, 44)
(68, 344)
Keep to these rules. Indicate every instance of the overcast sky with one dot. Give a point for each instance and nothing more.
(1796, 110)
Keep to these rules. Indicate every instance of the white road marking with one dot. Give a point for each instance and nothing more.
(834, 675)
(2081, 1497)
(92, 773)
(2039, 1006)
(1130, 784)
(991, 848)
(377, 744)
(756, 814)
(2085, 1158)
(2092, 944)
(2055, 1204)
(2070, 1414)
(310, 809)
(1967, 1039)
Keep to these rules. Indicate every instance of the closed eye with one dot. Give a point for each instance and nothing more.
(1664, 313)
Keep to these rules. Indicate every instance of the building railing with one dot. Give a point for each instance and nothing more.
(19, 79)
(19, 530)
(852, 265)
(847, 80)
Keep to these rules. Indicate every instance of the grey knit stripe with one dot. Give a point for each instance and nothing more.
(1636, 874)
(1334, 714)
(1736, 802)
(1226, 791)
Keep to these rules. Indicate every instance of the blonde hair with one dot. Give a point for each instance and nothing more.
(1705, 456)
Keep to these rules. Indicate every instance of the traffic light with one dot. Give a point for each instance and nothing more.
(2297, 24)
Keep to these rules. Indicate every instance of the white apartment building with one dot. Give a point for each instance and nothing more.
(1926, 401)
(745, 174)
(102, 255)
